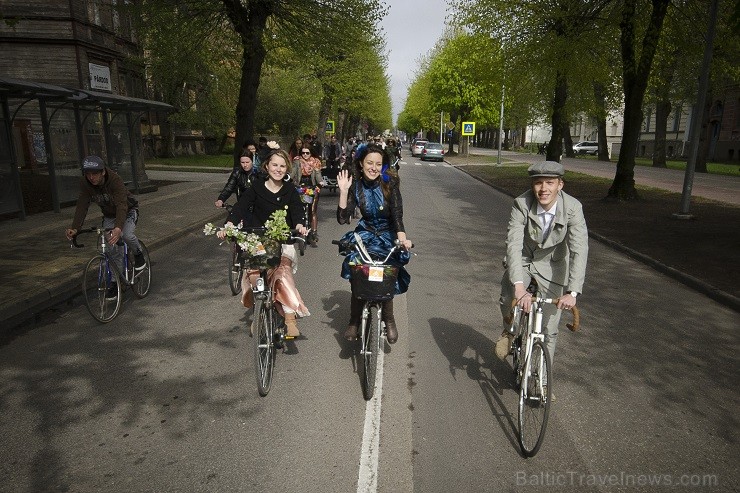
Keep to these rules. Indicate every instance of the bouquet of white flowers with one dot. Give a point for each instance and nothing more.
(260, 251)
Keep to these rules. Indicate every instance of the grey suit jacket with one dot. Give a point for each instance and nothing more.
(561, 259)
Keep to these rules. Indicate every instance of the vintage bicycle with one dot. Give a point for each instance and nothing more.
(532, 369)
(103, 281)
(373, 281)
(267, 326)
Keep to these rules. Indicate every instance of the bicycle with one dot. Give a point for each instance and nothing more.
(372, 281)
(102, 273)
(309, 197)
(532, 369)
(269, 329)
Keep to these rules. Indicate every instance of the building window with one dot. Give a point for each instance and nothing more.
(93, 11)
(677, 117)
(649, 113)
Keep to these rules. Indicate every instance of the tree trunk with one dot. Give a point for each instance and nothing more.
(523, 139)
(600, 99)
(555, 146)
(635, 78)
(662, 110)
(249, 22)
(568, 140)
(705, 137)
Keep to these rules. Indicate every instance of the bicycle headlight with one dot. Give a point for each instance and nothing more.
(260, 284)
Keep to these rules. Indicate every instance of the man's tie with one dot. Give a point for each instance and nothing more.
(546, 221)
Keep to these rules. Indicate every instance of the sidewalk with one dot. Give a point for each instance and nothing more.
(38, 269)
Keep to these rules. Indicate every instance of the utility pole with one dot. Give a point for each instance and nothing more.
(501, 130)
(696, 117)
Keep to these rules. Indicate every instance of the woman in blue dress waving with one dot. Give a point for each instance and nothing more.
(376, 192)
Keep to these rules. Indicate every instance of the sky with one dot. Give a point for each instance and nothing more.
(412, 28)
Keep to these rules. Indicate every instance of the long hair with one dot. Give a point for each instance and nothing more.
(388, 178)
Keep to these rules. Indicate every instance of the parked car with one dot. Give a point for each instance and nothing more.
(433, 150)
(586, 148)
(417, 147)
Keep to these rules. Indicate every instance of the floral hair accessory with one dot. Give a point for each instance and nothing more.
(273, 145)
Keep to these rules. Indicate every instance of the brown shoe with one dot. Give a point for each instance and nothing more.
(291, 326)
(355, 312)
(503, 345)
(391, 331)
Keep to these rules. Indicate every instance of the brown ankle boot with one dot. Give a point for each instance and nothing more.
(291, 325)
(355, 312)
(391, 331)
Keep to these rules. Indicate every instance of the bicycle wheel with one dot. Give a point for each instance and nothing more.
(235, 270)
(264, 347)
(101, 288)
(371, 327)
(143, 277)
(534, 400)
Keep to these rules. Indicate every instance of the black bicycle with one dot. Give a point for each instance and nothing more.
(373, 281)
(103, 280)
(267, 326)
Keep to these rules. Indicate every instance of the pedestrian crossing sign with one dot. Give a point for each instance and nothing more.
(330, 126)
(468, 128)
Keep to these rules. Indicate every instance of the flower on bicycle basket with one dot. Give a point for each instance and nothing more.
(277, 226)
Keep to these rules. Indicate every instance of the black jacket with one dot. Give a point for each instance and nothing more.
(238, 182)
(257, 203)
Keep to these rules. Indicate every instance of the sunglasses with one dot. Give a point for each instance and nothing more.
(305, 153)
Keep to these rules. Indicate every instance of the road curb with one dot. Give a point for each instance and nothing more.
(703, 287)
(61, 292)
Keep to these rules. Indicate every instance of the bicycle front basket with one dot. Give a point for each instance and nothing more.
(371, 282)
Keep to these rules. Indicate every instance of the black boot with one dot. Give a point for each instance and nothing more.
(391, 332)
(355, 312)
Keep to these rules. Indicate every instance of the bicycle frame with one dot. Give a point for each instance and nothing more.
(533, 332)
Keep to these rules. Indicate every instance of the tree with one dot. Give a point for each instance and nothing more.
(637, 62)
(290, 22)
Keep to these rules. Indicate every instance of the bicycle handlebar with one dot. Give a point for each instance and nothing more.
(92, 229)
(576, 312)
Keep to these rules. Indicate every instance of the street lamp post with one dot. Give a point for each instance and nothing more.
(501, 125)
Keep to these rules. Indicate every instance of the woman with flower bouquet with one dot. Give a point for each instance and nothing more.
(275, 204)
(307, 177)
(375, 190)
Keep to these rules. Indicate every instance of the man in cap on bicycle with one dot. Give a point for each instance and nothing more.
(547, 240)
(105, 187)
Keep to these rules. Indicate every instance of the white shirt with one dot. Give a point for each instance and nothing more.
(546, 218)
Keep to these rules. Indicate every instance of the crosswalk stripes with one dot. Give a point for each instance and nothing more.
(420, 163)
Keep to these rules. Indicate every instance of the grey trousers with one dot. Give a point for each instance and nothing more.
(550, 313)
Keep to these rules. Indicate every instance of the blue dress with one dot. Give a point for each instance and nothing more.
(377, 232)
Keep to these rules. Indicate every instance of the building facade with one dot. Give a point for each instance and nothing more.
(87, 47)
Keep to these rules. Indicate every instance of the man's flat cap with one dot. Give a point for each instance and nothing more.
(546, 168)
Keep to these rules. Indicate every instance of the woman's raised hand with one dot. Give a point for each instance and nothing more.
(344, 180)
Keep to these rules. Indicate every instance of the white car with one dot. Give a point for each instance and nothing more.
(586, 148)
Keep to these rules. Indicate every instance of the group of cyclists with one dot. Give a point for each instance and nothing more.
(293, 180)
(547, 238)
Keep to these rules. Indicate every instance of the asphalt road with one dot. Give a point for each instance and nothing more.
(164, 397)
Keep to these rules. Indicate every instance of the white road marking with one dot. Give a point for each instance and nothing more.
(367, 481)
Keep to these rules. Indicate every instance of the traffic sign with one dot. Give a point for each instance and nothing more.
(330, 126)
(468, 128)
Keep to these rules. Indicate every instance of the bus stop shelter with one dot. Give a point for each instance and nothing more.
(47, 130)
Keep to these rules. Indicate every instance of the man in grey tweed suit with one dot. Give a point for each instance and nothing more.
(547, 240)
